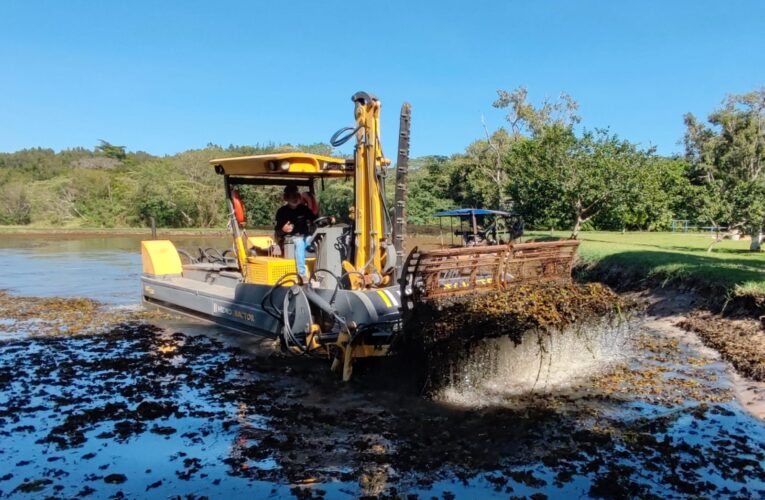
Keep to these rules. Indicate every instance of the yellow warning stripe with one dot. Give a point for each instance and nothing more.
(385, 298)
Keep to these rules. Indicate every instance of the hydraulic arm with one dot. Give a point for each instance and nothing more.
(374, 260)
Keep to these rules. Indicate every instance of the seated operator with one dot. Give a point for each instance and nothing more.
(292, 220)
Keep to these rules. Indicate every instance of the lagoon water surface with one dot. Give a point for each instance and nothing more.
(163, 407)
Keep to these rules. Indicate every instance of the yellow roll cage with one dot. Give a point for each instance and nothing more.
(290, 166)
(374, 259)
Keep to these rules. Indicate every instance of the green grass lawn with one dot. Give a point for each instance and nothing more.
(674, 257)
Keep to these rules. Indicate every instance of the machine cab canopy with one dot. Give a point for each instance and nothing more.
(492, 231)
(468, 212)
(284, 166)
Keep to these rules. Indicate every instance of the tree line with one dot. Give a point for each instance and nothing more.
(111, 187)
(555, 174)
(542, 165)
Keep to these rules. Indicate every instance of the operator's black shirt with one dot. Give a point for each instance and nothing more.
(300, 216)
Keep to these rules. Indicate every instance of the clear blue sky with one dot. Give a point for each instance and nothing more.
(168, 76)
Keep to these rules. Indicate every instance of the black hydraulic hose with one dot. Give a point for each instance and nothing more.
(265, 308)
(338, 139)
(337, 281)
(347, 273)
(269, 295)
(289, 336)
(309, 294)
(318, 301)
(218, 255)
(186, 254)
(311, 297)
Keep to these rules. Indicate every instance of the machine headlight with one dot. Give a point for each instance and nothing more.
(284, 165)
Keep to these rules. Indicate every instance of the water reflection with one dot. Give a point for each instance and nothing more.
(106, 269)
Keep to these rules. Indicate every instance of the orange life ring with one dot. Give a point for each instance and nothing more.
(309, 200)
(236, 200)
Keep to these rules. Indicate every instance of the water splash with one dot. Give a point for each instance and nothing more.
(496, 370)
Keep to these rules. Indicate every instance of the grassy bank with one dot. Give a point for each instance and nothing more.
(629, 259)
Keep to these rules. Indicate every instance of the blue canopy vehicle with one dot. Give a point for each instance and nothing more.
(480, 226)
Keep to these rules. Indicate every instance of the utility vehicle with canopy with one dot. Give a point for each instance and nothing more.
(479, 226)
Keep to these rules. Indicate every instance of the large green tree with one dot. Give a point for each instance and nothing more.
(558, 177)
(728, 156)
(659, 191)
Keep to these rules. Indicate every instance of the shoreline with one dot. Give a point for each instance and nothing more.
(94, 232)
(731, 326)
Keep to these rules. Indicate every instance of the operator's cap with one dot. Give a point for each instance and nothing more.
(290, 189)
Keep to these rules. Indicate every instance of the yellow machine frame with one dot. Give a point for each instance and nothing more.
(374, 258)
(279, 168)
(372, 239)
(281, 165)
(160, 258)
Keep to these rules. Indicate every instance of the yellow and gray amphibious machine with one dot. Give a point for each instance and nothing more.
(359, 285)
(349, 305)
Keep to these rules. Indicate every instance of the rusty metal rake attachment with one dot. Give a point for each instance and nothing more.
(457, 271)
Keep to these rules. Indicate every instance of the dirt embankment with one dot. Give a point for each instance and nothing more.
(716, 297)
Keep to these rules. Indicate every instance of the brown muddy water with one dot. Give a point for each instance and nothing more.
(142, 405)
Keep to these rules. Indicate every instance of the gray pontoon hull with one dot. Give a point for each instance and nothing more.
(242, 305)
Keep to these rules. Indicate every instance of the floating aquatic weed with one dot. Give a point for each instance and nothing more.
(249, 426)
(511, 313)
(34, 316)
(739, 341)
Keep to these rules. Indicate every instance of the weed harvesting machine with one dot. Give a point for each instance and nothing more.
(360, 286)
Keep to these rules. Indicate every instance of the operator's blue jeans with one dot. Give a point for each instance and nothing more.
(301, 243)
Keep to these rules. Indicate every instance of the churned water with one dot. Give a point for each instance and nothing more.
(497, 369)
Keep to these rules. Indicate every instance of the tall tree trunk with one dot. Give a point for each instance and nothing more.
(757, 238)
(578, 210)
(577, 227)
